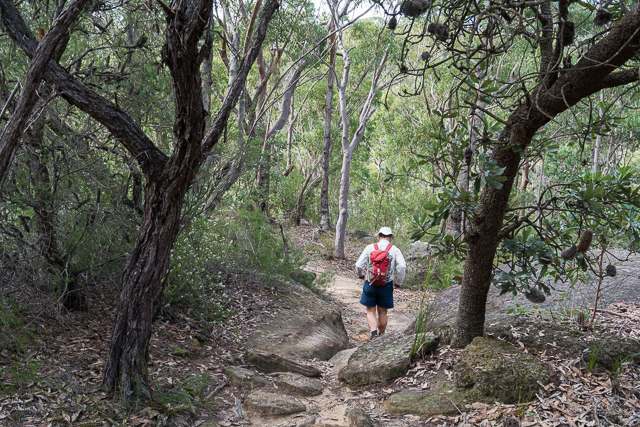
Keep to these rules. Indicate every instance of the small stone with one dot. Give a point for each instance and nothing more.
(359, 418)
(273, 404)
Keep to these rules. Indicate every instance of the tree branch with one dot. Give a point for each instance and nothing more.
(29, 95)
(121, 126)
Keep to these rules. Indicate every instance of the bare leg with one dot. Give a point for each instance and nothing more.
(372, 319)
(382, 320)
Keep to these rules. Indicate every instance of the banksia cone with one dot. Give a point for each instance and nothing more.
(603, 17)
(393, 23)
(611, 270)
(568, 33)
(580, 318)
(569, 253)
(536, 296)
(585, 241)
(414, 8)
(440, 31)
(545, 258)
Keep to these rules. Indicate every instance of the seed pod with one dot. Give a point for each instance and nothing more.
(414, 8)
(403, 69)
(545, 258)
(568, 33)
(585, 241)
(535, 295)
(440, 31)
(611, 270)
(393, 23)
(603, 17)
(425, 56)
(569, 253)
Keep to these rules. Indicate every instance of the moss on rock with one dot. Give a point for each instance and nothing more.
(498, 370)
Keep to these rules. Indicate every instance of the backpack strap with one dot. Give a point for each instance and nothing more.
(375, 246)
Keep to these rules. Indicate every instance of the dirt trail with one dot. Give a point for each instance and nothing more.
(347, 292)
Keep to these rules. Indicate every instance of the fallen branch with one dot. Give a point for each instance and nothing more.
(613, 313)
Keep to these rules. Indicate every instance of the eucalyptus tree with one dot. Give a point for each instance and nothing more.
(374, 70)
(168, 177)
(572, 59)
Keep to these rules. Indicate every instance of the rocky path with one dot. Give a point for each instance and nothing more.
(340, 404)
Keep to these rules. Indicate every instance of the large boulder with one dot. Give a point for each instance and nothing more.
(304, 326)
(264, 403)
(489, 370)
(382, 359)
(606, 350)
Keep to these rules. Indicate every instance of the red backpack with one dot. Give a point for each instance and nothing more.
(379, 264)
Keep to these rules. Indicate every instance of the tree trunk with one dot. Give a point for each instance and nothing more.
(327, 145)
(164, 192)
(343, 203)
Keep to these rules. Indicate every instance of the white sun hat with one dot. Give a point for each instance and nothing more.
(386, 231)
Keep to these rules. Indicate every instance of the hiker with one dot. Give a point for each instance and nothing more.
(376, 265)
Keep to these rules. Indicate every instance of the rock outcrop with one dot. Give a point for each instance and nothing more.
(304, 327)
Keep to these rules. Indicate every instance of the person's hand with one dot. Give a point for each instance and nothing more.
(397, 286)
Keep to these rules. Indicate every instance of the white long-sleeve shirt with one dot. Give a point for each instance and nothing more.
(397, 262)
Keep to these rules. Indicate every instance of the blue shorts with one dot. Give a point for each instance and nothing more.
(381, 296)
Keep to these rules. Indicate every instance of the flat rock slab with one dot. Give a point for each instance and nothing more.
(558, 339)
(305, 327)
(625, 286)
(270, 362)
(299, 385)
(244, 379)
(265, 403)
(381, 359)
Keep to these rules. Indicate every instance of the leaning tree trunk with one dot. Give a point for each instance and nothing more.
(142, 277)
(555, 94)
(343, 202)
